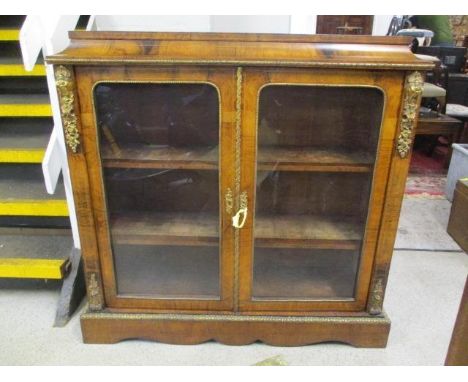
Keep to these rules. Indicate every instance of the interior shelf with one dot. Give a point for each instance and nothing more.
(193, 158)
(207, 158)
(168, 271)
(165, 228)
(307, 231)
(295, 158)
(288, 274)
(280, 231)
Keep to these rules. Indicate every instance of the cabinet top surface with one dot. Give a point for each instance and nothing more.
(147, 48)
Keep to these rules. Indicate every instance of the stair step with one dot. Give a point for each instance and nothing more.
(21, 156)
(25, 181)
(12, 21)
(13, 67)
(7, 34)
(12, 51)
(24, 140)
(10, 26)
(23, 85)
(13, 70)
(25, 132)
(23, 193)
(26, 254)
(31, 207)
(37, 222)
(25, 105)
(33, 268)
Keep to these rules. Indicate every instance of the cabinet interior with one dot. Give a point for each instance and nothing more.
(316, 149)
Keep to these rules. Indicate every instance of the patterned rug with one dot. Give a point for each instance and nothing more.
(425, 186)
(427, 177)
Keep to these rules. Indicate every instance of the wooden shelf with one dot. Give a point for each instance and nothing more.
(312, 159)
(292, 275)
(165, 229)
(193, 158)
(168, 271)
(202, 229)
(307, 231)
(207, 158)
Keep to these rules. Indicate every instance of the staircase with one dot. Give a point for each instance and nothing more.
(35, 239)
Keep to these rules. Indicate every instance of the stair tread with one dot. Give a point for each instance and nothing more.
(26, 254)
(12, 21)
(25, 105)
(35, 221)
(23, 89)
(34, 268)
(21, 155)
(33, 208)
(24, 99)
(13, 66)
(30, 246)
(13, 51)
(25, 183)
(30, 124)
(22, 142)
(9, 34)
(24, 139)
(17, 60)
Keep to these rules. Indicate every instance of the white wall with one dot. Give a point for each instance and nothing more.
(303, 24)
(250, 24)
(153, 23)
(222, 23)
(381, 24)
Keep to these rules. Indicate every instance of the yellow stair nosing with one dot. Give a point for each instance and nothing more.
(14, 155)
(17, 70)
(9, 34)
(25, 110)
(32, 207)
(33, 268)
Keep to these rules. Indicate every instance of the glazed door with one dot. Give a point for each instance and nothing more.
(162, 139)
(316, 152)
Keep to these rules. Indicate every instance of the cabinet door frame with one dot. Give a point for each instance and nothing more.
(391, 85)
(224, 81)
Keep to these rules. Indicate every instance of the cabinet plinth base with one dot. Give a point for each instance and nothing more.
(107, 328)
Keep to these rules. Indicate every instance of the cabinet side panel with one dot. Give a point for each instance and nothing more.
(410, 100)
(71, 118)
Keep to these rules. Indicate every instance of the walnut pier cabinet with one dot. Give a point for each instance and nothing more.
(237, 187)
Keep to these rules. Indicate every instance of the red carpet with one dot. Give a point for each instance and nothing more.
(427, 176)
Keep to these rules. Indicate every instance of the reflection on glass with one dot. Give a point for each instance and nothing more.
(158, 124)
(315, 158)
(159, 148)
(292, 273)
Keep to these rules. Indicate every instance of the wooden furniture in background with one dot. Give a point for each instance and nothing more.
(457, 354)
(237, 187)
(441, 125)
(350, 24)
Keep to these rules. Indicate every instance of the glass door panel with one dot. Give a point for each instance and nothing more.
(316, 150)
(159, 151)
